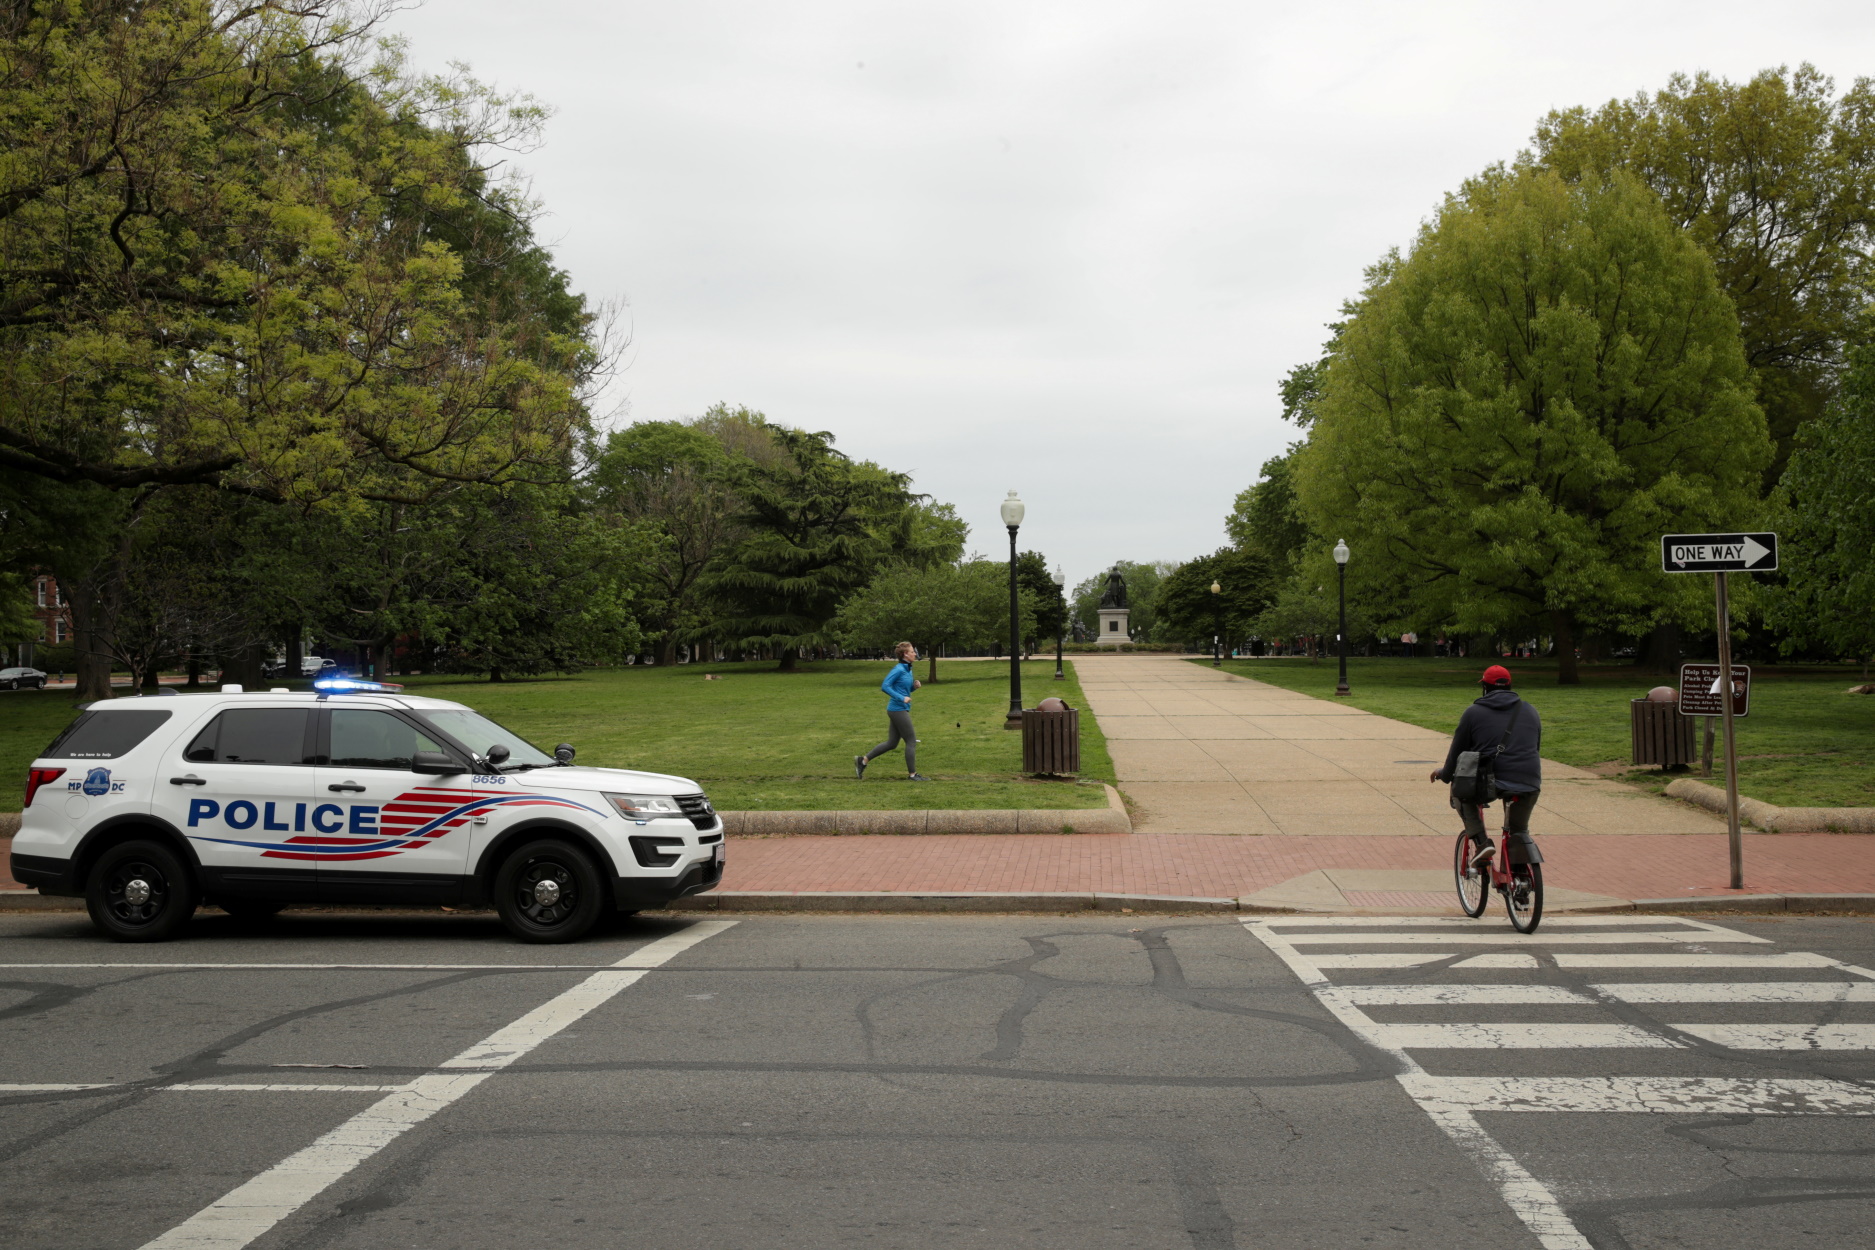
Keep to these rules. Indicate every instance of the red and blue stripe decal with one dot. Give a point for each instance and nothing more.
(412, 819)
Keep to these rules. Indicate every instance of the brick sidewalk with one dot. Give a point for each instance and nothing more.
(1626, 867)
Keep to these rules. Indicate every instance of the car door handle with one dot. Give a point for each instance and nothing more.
(348, 785)
(190, 780)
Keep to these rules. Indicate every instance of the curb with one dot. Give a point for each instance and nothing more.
(32, 900)
(981, 821)
(1791, 904)
(1771, 817)
(941, 901)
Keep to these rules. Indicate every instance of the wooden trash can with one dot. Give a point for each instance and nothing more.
(1660, 734)
(1051, 741)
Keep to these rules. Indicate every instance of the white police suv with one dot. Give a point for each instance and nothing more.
(356, 793)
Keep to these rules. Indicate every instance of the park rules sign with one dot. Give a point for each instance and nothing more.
(1718, 553)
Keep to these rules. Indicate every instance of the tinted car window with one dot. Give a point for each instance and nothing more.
(362, 739)
(104, 735)
(252, 735)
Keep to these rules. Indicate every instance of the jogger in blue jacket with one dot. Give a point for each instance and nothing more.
(898, 685)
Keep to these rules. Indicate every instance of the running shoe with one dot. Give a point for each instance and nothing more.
(917, 777)
(859, 767)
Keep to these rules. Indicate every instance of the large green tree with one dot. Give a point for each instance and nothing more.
(1827, 595)
(1248, 583)
(820, 526)
(964, 605)
(1549, 380)
(1775, 178)
(233, 254)
(675, 478)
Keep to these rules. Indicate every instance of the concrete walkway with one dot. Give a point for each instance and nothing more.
(1202, 751)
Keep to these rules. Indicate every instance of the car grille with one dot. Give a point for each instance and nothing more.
(698, 808)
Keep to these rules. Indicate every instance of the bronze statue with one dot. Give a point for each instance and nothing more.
(1115, 594)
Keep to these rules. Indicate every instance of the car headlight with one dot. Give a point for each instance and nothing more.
(645, 806)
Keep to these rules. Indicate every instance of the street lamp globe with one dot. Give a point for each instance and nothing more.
(1216, 589)
(1341, 548)
(1012, 511)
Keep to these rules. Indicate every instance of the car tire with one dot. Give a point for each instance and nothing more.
(549, 891)
(140, 892)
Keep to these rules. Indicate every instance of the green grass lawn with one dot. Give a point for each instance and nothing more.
(759, 739)
(1805, 744)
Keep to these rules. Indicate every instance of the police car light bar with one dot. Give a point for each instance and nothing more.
(354, 685)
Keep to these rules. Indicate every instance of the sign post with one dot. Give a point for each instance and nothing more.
(1720, 554)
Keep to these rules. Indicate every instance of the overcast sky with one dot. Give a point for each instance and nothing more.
(1068, 249)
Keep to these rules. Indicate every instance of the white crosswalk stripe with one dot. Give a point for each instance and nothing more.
(1419, 952)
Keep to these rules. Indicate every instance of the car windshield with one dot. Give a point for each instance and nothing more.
(477, 733)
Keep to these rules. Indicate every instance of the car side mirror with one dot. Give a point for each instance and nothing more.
(498, 755)
(564, 753)
(435, 764)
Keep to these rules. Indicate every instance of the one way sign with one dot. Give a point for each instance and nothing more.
(1718, 553)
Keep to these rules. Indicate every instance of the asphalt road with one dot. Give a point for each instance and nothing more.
(1034, 1081)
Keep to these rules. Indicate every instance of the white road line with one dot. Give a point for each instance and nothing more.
(1415, 995)
(1740, 992)
(1527, 1196)
(225, 967)
(1652, 1094)
(1793, 959)
(1497, 961)
(1785, 1036)
(280, 1089)
(249, 1210)
(1556, 922)
(1507, 937)
(1468, 1036)
(1378, 961)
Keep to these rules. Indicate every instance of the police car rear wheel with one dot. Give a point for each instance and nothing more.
(548, 892)
(140, 892)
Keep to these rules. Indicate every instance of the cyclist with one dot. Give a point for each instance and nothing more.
(1519, 766)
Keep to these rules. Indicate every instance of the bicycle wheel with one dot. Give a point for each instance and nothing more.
(1524, 899)
(1474, 886)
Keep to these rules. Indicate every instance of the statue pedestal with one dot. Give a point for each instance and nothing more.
(1113, 627)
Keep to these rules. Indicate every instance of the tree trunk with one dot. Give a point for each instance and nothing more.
(151, 675)
(91, 664)
(1566, 674)
(788, 659)
(243, 667)
(494, 674)
(930, 674)
(1662, 653)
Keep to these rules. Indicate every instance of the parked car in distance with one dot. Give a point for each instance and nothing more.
(22, 679)
(309, 666)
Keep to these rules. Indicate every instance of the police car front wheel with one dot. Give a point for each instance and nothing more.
(549, 891)
(140, 892)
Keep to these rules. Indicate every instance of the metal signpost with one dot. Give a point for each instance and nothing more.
(1720, 554)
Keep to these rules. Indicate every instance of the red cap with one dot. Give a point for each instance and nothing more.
(1496, 675)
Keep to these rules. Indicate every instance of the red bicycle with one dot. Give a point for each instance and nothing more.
(1480, 870)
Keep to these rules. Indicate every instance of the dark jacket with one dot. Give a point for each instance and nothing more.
(1520, 767)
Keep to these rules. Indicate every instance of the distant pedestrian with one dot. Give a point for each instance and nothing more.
(898, 685)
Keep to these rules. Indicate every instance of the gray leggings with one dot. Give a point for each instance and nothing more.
(1517, 808)
(901, 731)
